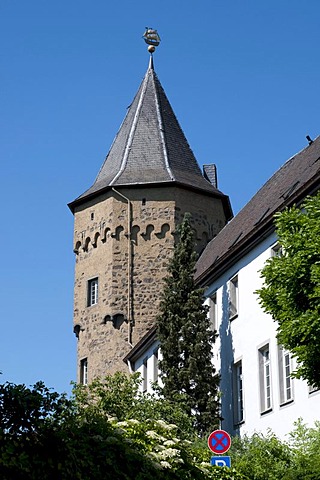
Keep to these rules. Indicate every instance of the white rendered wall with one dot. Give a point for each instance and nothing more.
(240, 340)
(147, 366)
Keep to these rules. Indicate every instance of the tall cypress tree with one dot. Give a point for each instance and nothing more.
(185, 336)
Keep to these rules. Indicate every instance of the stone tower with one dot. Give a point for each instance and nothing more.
(124, 227)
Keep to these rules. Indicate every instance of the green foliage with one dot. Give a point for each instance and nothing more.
(45, 436)
(23, 410)
(265, 457)
(304, 445)
(49, 437)
(185, 337)
(32, 421)
(153, 427)
(118, 396)
(291, 291)
(260, 457)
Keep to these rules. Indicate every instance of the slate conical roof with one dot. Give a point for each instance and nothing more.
(150, 147)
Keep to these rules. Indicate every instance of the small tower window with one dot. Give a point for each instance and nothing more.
(92, 292)
(92, 215)
(143, 201)
(84, 371)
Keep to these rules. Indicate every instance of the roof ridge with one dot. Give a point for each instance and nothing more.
(133, 127)
(161, 128)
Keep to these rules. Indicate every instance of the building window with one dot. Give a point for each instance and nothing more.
(145, 375)
(285, 380)
(155, 364)
(84, 371)
(233, 297)
(213, 311)
(92, 292)
(265, 379)
(237, 393)
(313, 389)
(276, 250)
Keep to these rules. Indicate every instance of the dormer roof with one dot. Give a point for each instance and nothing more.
(150, 148)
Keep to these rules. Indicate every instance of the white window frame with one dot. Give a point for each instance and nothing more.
(285, 379)
(93, 289)
(265, 377)
(238, 396)
(233, 297)
(84, 371)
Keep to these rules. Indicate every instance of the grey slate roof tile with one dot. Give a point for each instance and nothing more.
(299, 176)
(150, 147)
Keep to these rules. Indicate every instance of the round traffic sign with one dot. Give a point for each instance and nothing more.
(219, 441)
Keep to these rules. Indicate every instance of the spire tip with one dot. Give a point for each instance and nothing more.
(151, 62)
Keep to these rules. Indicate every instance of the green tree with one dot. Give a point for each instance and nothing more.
(185, 337)
(44, 435)
(291, 291)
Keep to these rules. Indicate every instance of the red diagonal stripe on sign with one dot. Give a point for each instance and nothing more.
(221, 441)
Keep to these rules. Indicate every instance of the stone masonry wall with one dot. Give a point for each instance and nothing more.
(128, 267)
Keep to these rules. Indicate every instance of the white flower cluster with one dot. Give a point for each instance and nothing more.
(122, 424)
(165, 425)
(169, 443)
(133, 421)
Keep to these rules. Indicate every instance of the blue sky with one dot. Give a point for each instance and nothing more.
(243, 78)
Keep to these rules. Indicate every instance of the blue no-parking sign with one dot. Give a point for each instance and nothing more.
(221, 461)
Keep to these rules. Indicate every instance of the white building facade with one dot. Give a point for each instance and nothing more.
(257, 390)
(144, 358)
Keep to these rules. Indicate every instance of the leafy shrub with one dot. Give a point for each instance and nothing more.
(265, 457)
(260, 457)
(109, 431)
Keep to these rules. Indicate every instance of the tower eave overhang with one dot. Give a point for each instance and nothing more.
(210, 192)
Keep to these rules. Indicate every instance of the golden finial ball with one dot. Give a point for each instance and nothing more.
(151, 49)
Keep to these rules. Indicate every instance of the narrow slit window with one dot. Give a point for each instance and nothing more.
(213, 311)
(84, 371)
(155, 364)
(145, 375)
(233, 297)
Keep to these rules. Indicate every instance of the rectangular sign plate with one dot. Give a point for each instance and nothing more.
(221, 461)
